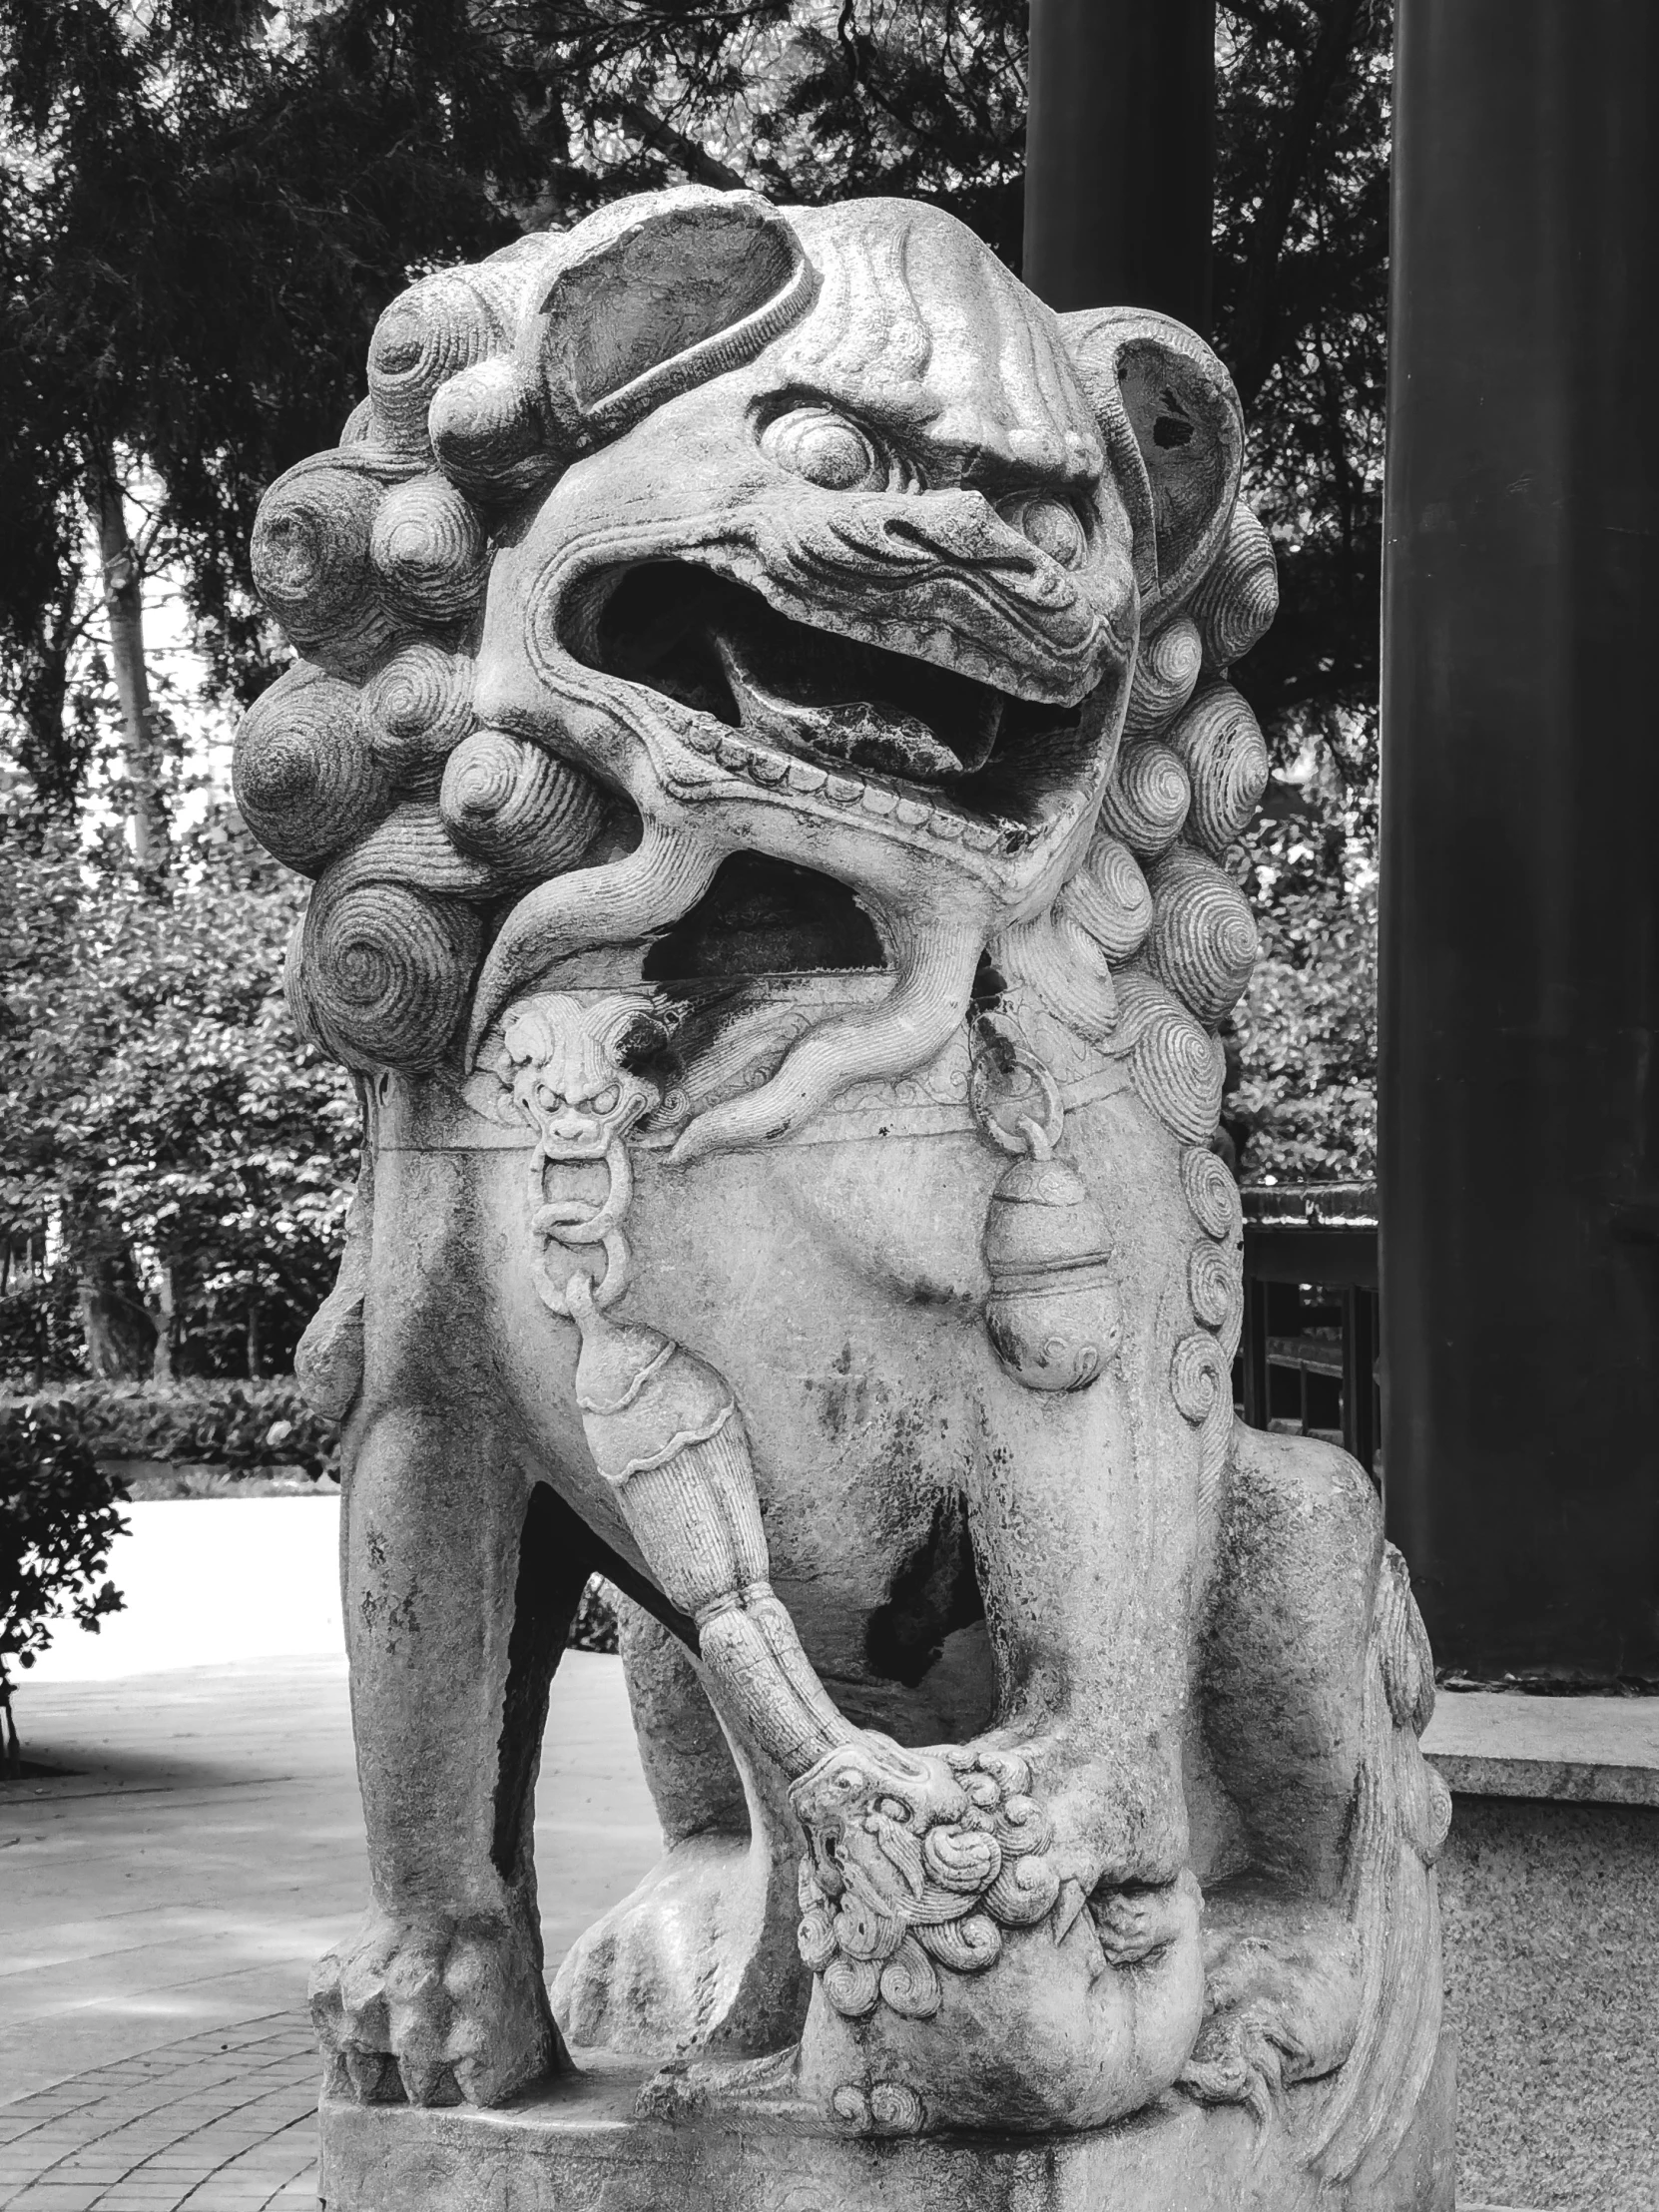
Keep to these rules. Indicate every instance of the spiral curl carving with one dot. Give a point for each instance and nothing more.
(1175, 1065)
(961, 1859)
(852, 1985)
(1201, 1385)
(1202, 942)
(1063, 962)
(909, 1983)
(488, 431)
(310, 560)
(1024, 1893)
(412, 845)
(429, 550)
(1226, 765)
(1212, 1283)
(431, 333)
(508, 801)
(966, 1945)
(1195, 1377)
(1238, 598)
(1212, 1193)
(304, 780)
(386, 971)
(417, 709)
(1146, 801)
(1166, 668)
(1109, 897)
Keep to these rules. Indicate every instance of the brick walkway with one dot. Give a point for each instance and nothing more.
(164, 1891)
(220, 2122)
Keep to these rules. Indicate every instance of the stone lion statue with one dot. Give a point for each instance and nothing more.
(761, 738)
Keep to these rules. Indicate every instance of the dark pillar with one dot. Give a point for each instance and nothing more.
(1120, 154)
(1521, 786)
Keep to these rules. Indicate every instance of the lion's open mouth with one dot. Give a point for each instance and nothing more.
(788, 705)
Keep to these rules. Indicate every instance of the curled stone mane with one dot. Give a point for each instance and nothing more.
(361, 767)
(364, 766)
(1150, 942)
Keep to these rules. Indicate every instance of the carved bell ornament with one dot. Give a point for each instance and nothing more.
(1052, 1312)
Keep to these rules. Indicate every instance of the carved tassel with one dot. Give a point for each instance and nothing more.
(664, 1429)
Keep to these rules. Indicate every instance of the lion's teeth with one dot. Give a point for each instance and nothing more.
(770, 769)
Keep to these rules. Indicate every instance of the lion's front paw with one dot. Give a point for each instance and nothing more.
(436, 2010)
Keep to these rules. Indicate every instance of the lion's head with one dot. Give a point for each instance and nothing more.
(713, 559)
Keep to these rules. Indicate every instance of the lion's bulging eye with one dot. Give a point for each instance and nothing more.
(1052, 526)
(826, 449)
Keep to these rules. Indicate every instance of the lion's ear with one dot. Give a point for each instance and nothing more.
(1174, 433)
(657, 295)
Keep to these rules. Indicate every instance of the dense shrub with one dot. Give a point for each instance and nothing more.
(57, 1518)
(229, 1424)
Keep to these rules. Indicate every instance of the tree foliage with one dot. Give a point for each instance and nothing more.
(204, 207)
(206, 204)
(151, 1086)
(58, 1520)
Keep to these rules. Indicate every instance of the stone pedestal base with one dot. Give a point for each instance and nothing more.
(575, 2145)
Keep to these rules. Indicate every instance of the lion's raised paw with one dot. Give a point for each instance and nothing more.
(434, 2010)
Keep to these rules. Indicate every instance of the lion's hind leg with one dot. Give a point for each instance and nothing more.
(1321, 1958)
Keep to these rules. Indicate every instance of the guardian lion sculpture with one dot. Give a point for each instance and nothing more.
(762, 742)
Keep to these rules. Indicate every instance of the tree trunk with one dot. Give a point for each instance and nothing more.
(121, 1338)
(165, 1321)
(123, 578)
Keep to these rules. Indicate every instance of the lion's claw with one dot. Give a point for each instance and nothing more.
(433, 2011)
(1239, 2065)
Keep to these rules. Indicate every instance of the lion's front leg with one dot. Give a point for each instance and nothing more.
(439, 1996)
(1025, 1896)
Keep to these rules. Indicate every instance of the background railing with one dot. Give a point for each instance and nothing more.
(1308, 1352)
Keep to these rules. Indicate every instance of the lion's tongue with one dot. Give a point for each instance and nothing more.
(858, 732)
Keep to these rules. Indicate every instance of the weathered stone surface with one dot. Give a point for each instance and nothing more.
(578, 2146)
(772, 882)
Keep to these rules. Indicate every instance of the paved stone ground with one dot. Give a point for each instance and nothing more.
(224, 2121)
(163, 1905)
(162, 1898)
